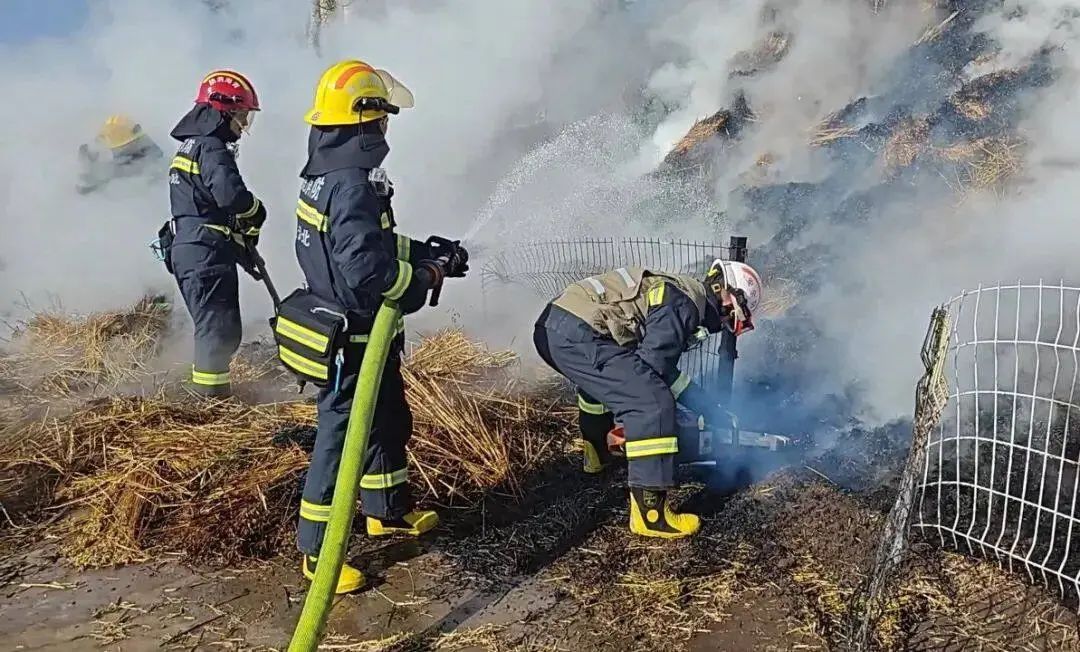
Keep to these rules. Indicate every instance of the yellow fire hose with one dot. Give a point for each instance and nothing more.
(309, 629)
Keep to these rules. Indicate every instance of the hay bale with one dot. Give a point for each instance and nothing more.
(62, 354)
(975, 98)
(726, 123)
(907, 142)
(825, 134)
(701, 132)
(972, 108)
(985, 163)
(769, 52)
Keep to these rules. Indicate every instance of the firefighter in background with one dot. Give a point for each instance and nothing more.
(618, 337)
(215, 218)
(122, 149)
(352, 259)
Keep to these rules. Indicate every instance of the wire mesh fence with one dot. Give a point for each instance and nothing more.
(995, 458)
(1000, 478)
(547, 268)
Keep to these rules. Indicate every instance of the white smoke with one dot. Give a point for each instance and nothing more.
(476, 67)
(535, 120)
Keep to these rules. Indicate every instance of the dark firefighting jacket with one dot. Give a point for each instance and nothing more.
(99, 166)
(657, 315)
(205, 187)
(346, 242)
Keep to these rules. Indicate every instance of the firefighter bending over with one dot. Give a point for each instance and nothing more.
(215, 218)
(352, 259)
(122, 149)
(618, 337)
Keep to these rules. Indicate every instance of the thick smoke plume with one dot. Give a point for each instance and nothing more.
(540, 119)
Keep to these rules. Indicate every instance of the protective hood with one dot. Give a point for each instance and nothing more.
(204, 120)
(714, 312)
(336, 148)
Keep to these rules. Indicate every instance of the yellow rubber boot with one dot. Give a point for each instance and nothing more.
(414, 523)
(651, 516)
(592, 463)
(350, 579)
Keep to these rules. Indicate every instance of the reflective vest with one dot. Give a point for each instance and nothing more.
(615, 303)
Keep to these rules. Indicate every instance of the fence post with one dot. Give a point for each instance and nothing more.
(728, 352)
(931, 395)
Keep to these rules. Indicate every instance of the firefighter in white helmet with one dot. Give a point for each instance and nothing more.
(618, 337)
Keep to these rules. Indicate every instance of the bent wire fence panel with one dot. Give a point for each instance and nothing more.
(1000, 478)
(547, 268)
(994, 469)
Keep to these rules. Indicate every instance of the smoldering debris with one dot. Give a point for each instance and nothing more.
(701, 144)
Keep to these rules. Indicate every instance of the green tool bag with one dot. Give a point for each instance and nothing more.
(311, 338)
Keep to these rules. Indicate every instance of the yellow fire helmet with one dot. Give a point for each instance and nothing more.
(345, 85)
(118, 130)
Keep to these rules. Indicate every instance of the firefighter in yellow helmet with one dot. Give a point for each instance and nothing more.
(353, 258)
(121, 149)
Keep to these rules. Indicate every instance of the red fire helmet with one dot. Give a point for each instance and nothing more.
(227, 90)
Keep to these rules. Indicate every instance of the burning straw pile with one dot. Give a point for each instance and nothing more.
(58, 354)
(129, 478)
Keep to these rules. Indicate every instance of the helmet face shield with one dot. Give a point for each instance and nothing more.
(243, 121)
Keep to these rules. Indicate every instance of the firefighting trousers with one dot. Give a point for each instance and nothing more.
(384, 489)
(612, 378)
(207, 277)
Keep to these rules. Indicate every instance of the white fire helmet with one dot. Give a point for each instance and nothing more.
(739, 276)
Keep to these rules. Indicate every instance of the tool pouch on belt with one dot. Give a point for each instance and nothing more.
(311, 337)
(162, 247)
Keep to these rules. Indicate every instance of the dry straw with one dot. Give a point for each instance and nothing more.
(130, 478)
(57, 353)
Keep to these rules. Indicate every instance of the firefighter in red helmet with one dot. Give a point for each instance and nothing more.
(214, 220)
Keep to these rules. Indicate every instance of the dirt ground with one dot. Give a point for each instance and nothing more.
(772, 569)
(553, 567)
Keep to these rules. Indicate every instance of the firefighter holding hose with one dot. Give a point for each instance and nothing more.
(352, 260)
(215, 222)
(618, 337)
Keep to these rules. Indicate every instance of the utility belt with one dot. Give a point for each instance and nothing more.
(312, 337)
(161, 247)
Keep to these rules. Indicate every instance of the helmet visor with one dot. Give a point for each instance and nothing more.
(397, 93)
(244, 120)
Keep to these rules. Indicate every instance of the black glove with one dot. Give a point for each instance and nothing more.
(455, 258)
(426, 275)
(250, 222)
(246, 253)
